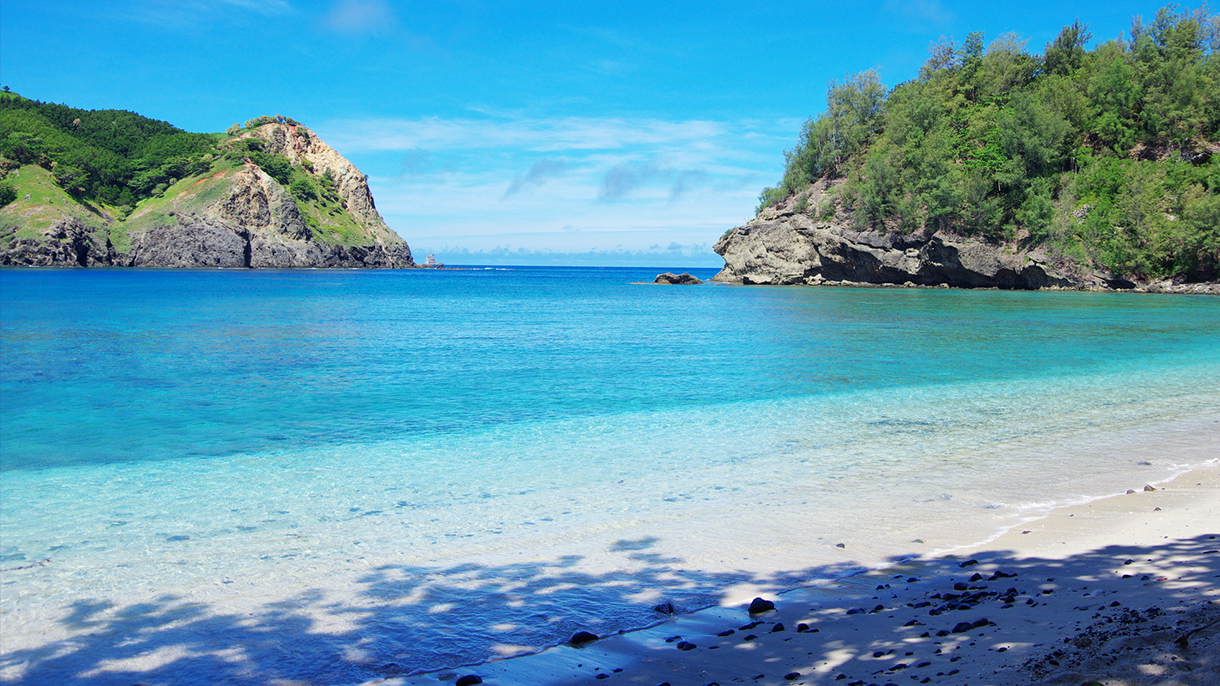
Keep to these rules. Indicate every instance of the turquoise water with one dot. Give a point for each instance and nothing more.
(234, 473)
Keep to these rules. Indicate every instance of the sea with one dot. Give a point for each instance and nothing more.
(333, 477)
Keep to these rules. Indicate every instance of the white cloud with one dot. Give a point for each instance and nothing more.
(360, 17)
(610, 182)
(536, 135)
(538, 174)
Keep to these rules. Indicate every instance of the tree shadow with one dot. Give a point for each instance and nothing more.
(405, 619)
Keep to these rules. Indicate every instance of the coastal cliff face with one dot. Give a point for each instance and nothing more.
(235, 215)
(782, 246)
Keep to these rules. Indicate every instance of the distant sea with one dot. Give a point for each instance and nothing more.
(337, 476)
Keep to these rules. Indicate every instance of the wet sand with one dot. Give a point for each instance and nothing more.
(1122, 590)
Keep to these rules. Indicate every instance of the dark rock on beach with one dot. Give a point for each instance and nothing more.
(758, 606)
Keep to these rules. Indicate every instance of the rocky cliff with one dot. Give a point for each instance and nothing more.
(784, 246)
(235, 215)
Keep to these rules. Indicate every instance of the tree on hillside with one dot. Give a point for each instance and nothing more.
(1065, 54)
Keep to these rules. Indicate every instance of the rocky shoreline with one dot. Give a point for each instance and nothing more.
(784, 246)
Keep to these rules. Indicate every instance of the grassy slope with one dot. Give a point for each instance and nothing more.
(192, 194)
(47, 203)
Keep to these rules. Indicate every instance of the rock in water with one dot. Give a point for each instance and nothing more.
(581, 638)
(671, 279)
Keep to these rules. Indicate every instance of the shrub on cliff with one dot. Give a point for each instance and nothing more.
(277, 166)
(302, 190)
(259, 121)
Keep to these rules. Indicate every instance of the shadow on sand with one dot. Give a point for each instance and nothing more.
(404, 620)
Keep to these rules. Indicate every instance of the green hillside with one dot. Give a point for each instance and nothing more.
(116, 172)
(1107, 155)
(108, 156)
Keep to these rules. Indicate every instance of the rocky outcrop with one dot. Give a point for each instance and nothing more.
(302, 146)
(68, 242)
(238, 217)
(671, 279)
(782, 246)
(256, 224)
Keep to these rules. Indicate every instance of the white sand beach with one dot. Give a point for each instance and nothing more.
(1119, 591)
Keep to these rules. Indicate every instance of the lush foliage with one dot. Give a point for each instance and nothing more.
(118, 157)
(7, 193)
(1107, 154)
(113, 156)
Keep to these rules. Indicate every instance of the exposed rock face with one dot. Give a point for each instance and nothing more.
(66, 243)
(782, 246)
(237, 218)
(256, 224)
(669, 278)
(298, 144)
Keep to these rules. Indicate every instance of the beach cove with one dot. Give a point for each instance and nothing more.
(344, 477)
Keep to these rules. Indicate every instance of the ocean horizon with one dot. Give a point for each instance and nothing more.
(337, 476)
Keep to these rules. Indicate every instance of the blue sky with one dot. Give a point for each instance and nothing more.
(526, 128)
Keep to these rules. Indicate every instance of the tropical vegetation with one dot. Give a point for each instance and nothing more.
(1107, 155)
(118, 158)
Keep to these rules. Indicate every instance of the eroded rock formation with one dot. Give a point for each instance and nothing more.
(782, 246)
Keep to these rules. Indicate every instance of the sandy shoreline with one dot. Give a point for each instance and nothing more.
(1107, 591)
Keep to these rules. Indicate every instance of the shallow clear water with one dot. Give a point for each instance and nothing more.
(235, 473)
